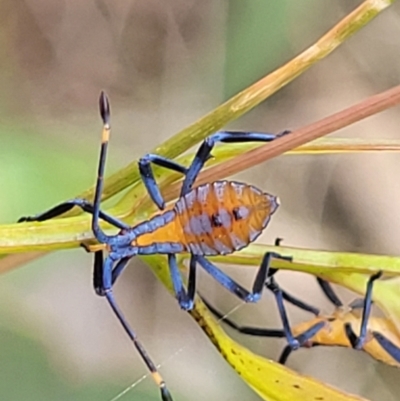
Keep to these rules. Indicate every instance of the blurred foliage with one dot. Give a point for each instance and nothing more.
(248, 36)
(32, 165)
(28, 375)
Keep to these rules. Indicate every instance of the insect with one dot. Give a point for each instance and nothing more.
(378, 336)
(215, 218)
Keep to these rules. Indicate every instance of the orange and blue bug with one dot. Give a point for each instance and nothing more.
(377, 336)
(381, 339)
(213, 219)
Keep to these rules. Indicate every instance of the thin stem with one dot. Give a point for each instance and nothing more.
(334, 122)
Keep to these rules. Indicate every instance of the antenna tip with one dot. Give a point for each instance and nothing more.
(104, 108)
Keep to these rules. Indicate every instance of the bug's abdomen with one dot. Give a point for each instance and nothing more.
(222, 217)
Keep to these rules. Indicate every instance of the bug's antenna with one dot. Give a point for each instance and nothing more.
(104, 106)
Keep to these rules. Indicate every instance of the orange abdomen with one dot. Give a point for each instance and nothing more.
(222, 217)
(215, 219)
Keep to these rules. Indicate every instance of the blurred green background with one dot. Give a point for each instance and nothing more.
(164, 64)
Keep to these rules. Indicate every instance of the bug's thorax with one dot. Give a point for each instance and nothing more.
(160, 228)
(214, 218)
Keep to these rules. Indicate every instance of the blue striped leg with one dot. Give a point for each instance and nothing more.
(64, 207)
(329, 292)
(392, 349)
(146, 172)
(233, 286)
(204, 151)
(185, 298)
(357, 342)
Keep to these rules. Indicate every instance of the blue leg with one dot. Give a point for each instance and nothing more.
(119, 268)
(255, 331)
(146, 172)
(64, 207)
(98, 271)
(204, 151)
(293, 342)
(302, 340)
(104, 106)
(329, 292)
(357, 303)
(392, 349)
(192, 279)
(236, 288)
(103, 271)
(184, 298)
(350, 334)
(270, 284)
(165, 394)
(357, 342)
(252, 331)
(201, 157)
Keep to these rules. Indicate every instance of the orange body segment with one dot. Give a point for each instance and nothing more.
(215, 218)
(333, 333)
(170, 232)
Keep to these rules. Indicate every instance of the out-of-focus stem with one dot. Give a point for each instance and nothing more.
(251, 96)
(357, 112)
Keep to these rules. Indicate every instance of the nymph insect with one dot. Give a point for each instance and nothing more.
(213, 219)
(377, 335)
